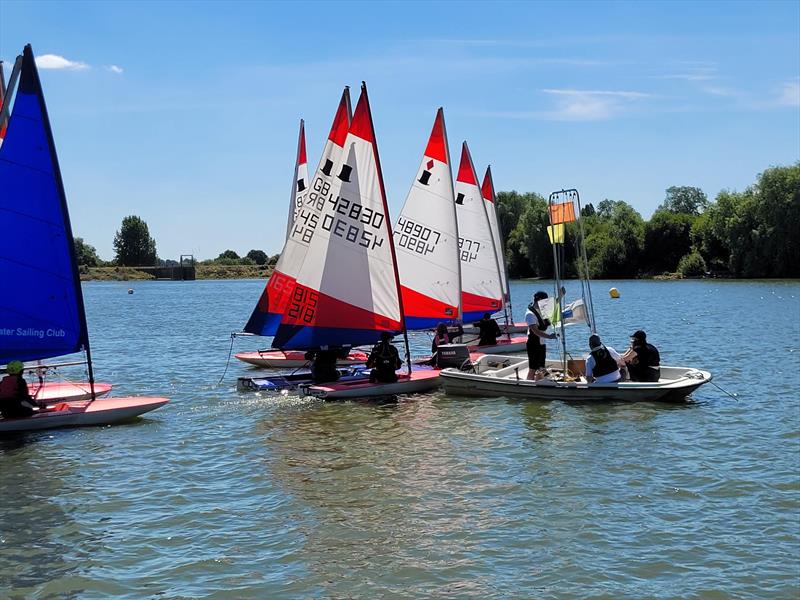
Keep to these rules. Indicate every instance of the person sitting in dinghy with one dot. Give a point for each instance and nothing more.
(489, 330)
(384, 360)
(642, 359)
(603, 363)
(15, 399)
(323, 365)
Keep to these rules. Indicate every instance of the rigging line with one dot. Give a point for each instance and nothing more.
(724, 391)
(228, 362)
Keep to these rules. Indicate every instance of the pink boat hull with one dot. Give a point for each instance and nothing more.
(292, 359)
(104, 411)
(64, 391)
(417, 382)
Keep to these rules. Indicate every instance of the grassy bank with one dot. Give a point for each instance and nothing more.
(201, 272)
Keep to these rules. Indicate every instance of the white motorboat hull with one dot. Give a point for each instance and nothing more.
(511, 381)
(105, 411)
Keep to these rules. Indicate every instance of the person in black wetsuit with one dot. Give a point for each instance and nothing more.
(642, 359)
(323, 367)
(15, 400)
(384, 360)
(489, 330)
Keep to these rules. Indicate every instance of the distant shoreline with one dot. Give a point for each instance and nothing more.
(201, 272)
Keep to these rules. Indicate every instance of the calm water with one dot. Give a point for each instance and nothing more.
(222, 494)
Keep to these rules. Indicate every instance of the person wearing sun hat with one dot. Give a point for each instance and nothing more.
(15, 400)
(642, 359)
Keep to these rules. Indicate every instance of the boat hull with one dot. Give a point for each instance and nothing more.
(65, 391)
(675, 385)
(418, 382)
(276, 359)
(504, 346)
(510, 328)
(105, 411)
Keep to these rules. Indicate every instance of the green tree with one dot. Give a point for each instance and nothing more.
(227, 255)
(667, 238)
(259, 257)
(614, 240)
(86, 254)
(692, 265)
(133, 245)
(684, 199)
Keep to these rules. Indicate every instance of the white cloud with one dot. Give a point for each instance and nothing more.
(789, 94)
(54, 61)
(590, 105)
(115, 69)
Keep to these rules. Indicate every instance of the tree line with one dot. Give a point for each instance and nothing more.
(135, 247)
(750, 234)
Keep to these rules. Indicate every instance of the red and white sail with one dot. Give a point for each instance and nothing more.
(481, 283)
(490, 199)
(301, 183)
(346, 288)
(276, 295)
(426, 239)
(3, 114)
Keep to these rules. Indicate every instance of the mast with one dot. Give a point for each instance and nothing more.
(460, 313)
(29, 64)
(388, 227)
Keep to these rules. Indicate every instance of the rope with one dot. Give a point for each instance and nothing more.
(230, 352)
(724, 391)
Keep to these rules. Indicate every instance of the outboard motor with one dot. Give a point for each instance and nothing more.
(453, 355)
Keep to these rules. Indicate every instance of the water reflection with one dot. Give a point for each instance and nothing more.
(35, 531)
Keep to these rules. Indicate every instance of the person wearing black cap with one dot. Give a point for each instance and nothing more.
(603, 363)
(384, 360)
(537, 331)
(642, 359)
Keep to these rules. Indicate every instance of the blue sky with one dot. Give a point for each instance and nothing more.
(186, 113)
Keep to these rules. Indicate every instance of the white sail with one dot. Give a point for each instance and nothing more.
(347, 289)
(276, 295)
(481, 282)
(426, 239)
(300, 184)
(490, 199)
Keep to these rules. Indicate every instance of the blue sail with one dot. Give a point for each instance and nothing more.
(41, 306)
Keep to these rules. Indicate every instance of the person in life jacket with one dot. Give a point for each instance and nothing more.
(489, 330)
(323, 367)
(642, 359)
(537, 332)
(440, 337)
(602, 365)
(384, 360)
(15, 400)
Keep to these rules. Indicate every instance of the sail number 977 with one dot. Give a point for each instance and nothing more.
(468, 249)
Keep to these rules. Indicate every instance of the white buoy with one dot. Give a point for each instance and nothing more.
(613, 292)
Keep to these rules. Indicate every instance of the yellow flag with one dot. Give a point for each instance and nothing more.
(556, 233)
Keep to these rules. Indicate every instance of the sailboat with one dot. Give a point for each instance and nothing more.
(307, 202)
(348, 289)
(42, 312)
(490, 198)
(511, 377)
(482, 283)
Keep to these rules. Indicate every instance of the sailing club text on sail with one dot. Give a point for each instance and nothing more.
(31, 332)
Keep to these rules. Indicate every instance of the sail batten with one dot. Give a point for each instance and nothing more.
(41, 307)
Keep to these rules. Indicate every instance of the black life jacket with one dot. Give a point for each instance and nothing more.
(385, 357)
(542, 325)
(603, 363)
